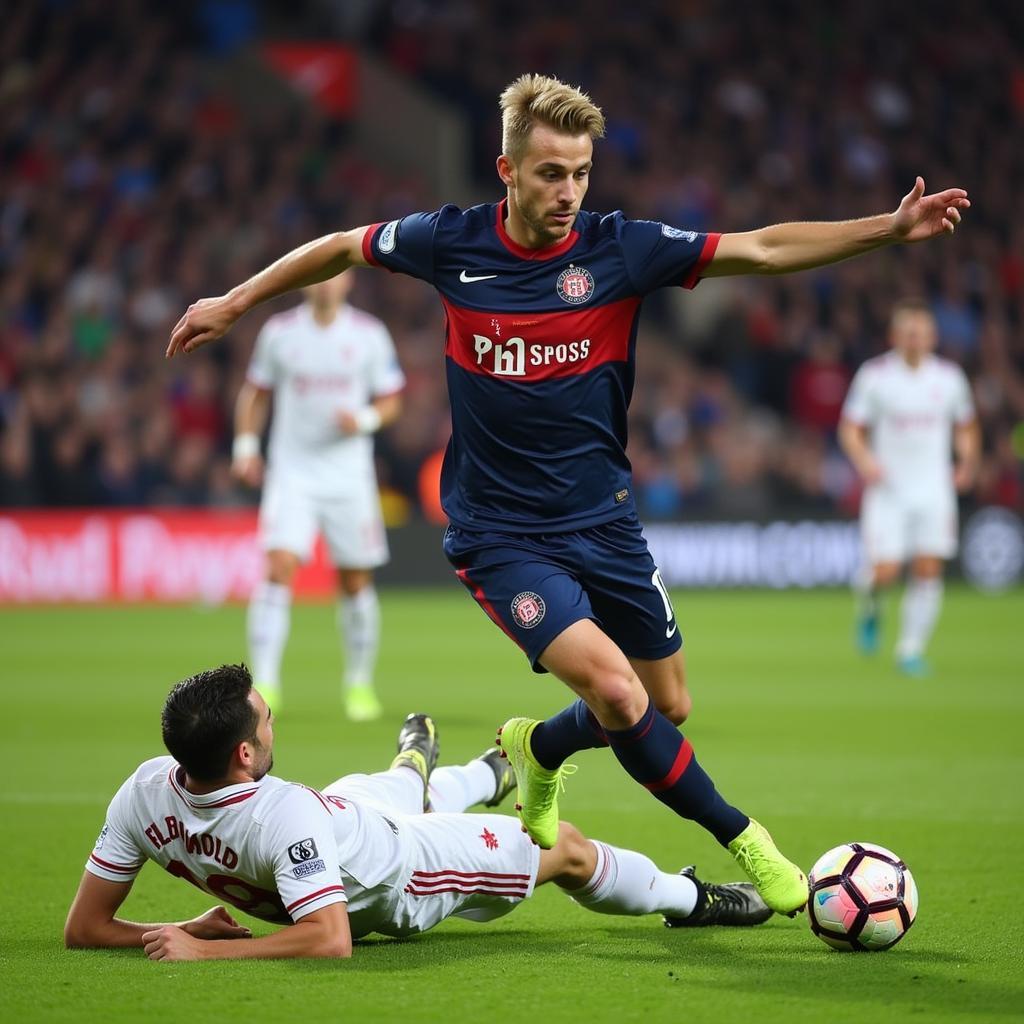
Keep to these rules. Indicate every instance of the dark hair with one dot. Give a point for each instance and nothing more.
(205, 717)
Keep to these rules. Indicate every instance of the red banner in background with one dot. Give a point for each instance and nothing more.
(146, 555)
(325, 72)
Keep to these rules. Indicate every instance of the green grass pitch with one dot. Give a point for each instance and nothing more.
(820, 744)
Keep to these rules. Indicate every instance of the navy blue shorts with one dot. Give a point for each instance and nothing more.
(534, 586)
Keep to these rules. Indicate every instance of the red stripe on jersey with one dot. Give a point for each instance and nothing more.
(237, 799)
(681, 763)
(546, 253)
(368, 244)
(539, 346)
(319, 796)
(481, 599)
(707, 254)
(124, 869)
(314, 896)
(226, 802)
(470, 874)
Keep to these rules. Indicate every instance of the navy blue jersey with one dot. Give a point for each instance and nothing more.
(539, 355)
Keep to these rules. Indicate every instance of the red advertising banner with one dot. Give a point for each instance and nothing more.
(325, 72)
(145, 555)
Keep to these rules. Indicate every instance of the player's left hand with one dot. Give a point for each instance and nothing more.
(216, 923)
(169, 942)
(920, 217)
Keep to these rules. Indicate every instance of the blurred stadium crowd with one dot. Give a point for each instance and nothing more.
(132, 183)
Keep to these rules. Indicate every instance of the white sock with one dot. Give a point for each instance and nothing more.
(267, 625)
(359, 619)
(456, 788)
(921, 603)
(627, 882)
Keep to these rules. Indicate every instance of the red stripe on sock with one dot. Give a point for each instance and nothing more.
(681, 763)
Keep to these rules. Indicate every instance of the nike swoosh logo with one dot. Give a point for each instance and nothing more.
(466, 279)
(669, 633)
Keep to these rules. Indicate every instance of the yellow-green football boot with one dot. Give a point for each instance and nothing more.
(536, 787)
(782, 885)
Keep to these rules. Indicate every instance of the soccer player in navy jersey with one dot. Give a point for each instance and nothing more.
(542, 300)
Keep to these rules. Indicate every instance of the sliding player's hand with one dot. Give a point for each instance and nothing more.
(204, 321)
(216, 923)
(921, 217)
(169, 942)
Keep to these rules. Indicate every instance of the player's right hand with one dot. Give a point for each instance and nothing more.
(248, 470)
(204, 321)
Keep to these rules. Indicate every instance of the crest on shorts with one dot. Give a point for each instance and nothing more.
(575, 285)
(528, 609)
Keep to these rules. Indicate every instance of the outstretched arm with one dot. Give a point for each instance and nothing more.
(323, 258)
(783, 248)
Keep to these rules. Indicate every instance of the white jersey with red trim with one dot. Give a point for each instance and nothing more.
(279, 850)
(316, 372)
(910, 412)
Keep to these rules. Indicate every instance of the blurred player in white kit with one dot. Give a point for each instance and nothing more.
(908, 411)
(335, 381)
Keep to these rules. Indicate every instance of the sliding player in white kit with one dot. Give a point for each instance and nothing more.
(335, 380)
(357, 857)
(917, 410)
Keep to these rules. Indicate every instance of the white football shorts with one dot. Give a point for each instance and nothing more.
(475, 866)
(352, 524)
(896, 528)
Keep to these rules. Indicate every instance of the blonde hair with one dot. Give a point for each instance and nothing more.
(533, 99)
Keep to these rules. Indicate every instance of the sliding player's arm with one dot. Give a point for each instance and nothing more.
(93, 923)
(319, 260)
(322, 933)
(967, 448)
(783, 248)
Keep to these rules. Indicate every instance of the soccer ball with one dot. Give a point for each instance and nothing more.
(863, 898)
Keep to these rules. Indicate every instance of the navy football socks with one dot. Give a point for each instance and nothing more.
(660, 758)
(560, 736)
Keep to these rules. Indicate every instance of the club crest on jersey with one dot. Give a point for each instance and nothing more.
(575, 285)
(528, 609)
